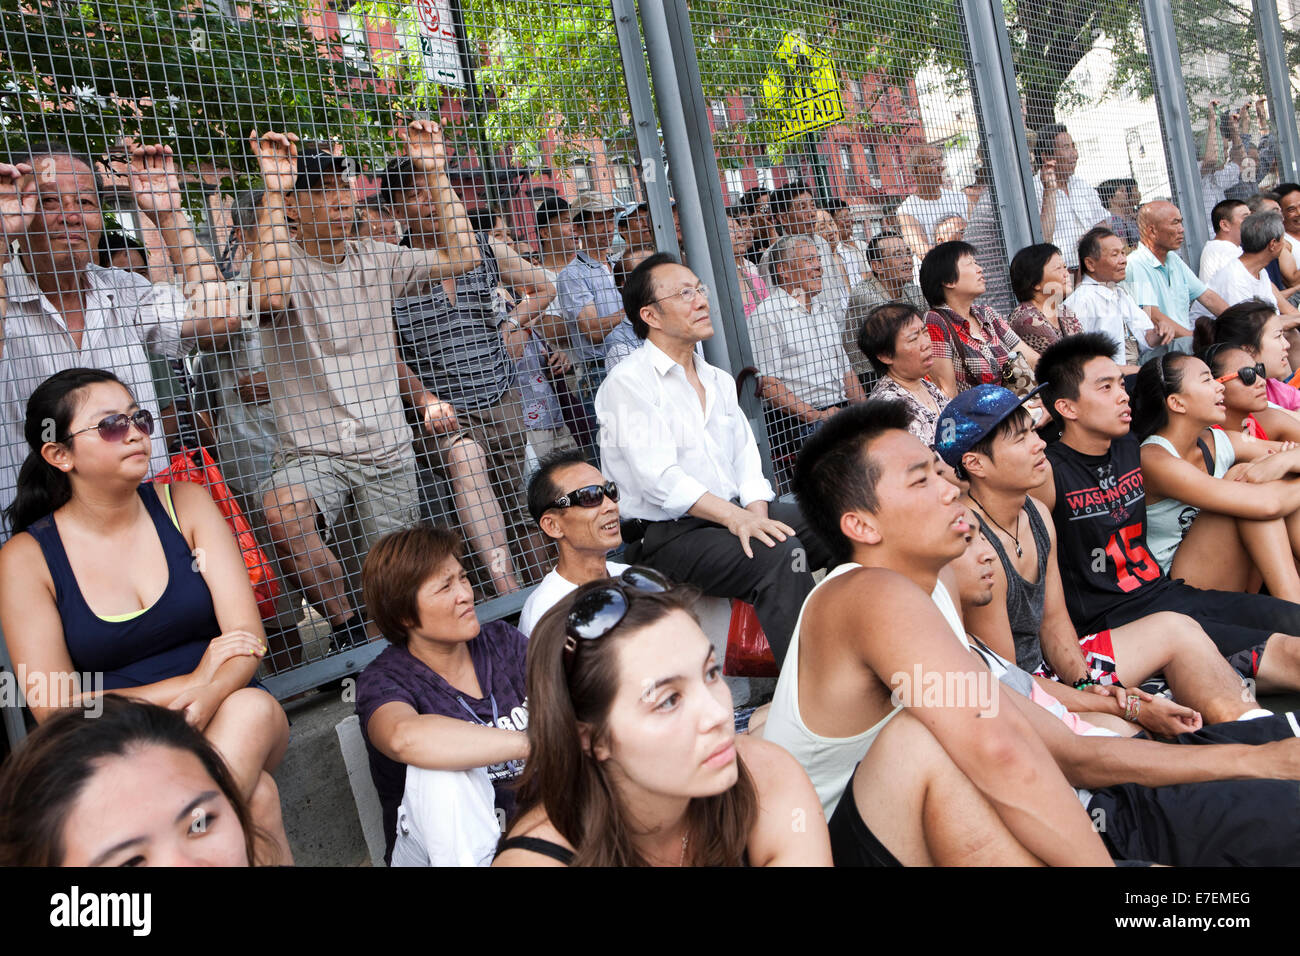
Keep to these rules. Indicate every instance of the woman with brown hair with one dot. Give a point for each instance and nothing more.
(633, 756)
(442, 709)
(135, 785)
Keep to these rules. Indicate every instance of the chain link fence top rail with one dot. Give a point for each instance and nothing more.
(247, 285)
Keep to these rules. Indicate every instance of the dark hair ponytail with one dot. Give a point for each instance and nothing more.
(1156, 381)
(42, 488)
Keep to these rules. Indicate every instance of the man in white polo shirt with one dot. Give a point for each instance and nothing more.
(1247, 277)
(674, 439)
(1226, 218)
(577, 508)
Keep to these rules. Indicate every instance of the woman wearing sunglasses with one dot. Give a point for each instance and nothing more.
(1245, 396)
(634, 760)
(132, 588)
(1203, 524)
(1255, 326)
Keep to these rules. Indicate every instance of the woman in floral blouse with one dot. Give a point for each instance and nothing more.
(972, 343)
(1041, 281)
(894, 338)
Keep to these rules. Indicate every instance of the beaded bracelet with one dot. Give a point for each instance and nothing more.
(1083, 682)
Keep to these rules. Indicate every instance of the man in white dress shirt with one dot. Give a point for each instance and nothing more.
(1068, 206)
(1102, 304)
(674, 439)
(1246, 277)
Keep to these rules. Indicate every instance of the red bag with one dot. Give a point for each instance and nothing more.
(196, 465)
(748, 653)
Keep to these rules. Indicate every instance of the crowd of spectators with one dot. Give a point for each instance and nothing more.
(403, 407)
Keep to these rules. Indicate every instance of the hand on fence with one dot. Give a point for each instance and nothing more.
(277, 159)
(151, 172)
(17, 202)
(254, 389)
(425, 145)
(1047, 173)
(559, 362)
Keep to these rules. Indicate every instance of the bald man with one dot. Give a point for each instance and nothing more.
(1161, 282)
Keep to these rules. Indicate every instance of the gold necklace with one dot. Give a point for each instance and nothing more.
(685, 839)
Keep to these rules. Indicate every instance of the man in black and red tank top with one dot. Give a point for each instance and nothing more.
(1098, 504)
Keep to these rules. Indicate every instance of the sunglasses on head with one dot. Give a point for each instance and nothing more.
(1248, 375)
(586, 497)
(601, 610)
(115, 427)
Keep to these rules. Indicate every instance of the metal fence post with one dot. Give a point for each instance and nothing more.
(645, 124)
(1277, 79)
(1176, 124)
(681, 145)
(998, 104)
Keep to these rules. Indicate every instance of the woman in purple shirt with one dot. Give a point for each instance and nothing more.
(448, 695)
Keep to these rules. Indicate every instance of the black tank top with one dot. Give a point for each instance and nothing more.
(1024, 600)
(1101, 518)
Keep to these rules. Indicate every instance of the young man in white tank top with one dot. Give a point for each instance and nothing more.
(941, 780)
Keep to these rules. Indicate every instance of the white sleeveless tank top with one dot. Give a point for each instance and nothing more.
(830, 761)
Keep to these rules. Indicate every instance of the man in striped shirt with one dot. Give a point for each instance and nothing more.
(457, 339)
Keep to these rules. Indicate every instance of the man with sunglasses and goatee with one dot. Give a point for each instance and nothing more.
(673, 437)
(577, 508)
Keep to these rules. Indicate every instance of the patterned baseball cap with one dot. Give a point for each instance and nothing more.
(971, 416)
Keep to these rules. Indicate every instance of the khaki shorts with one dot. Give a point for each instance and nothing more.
(547, 441)
(383, 499)
(499, 431)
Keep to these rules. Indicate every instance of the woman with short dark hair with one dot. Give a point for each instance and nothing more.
(442, 709)
(973, 345)
(894, 338)
(1041, 282)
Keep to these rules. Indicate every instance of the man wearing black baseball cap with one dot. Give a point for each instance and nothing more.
(987, 437)
(326, 303)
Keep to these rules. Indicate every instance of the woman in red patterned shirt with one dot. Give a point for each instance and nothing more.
(972, 343)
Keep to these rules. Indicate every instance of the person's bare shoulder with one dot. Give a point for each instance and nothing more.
(537, 825)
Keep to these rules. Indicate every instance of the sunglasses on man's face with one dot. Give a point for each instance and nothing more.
(114, 427)
(1248, 375)
(586, 497)
(598, 612)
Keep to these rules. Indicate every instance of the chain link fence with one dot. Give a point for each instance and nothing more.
(339, 386)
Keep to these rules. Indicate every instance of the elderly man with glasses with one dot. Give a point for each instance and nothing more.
(674, 440)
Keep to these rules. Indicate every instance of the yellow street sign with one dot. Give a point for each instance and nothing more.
(803, 87)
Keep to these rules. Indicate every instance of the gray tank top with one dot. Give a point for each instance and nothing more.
(1024, 600)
